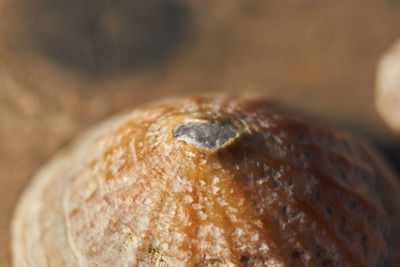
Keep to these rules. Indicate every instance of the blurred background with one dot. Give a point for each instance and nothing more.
(67, 64)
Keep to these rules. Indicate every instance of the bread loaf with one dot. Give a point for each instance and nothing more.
(210, 182)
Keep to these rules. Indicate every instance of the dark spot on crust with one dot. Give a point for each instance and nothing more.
(328, 210)
(326, 263)
(296, 254)
(254, 261)
(205, 135)
(284, 210)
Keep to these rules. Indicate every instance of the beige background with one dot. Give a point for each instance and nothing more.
(65, 65)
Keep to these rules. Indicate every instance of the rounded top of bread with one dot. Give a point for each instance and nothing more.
(210, 182)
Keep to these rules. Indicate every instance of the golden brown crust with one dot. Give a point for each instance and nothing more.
(247, 184)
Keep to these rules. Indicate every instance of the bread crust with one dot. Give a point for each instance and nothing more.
(161, 186)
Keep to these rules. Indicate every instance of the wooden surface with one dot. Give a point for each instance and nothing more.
(65, 65)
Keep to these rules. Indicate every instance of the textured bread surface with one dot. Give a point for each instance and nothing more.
(210, 182)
